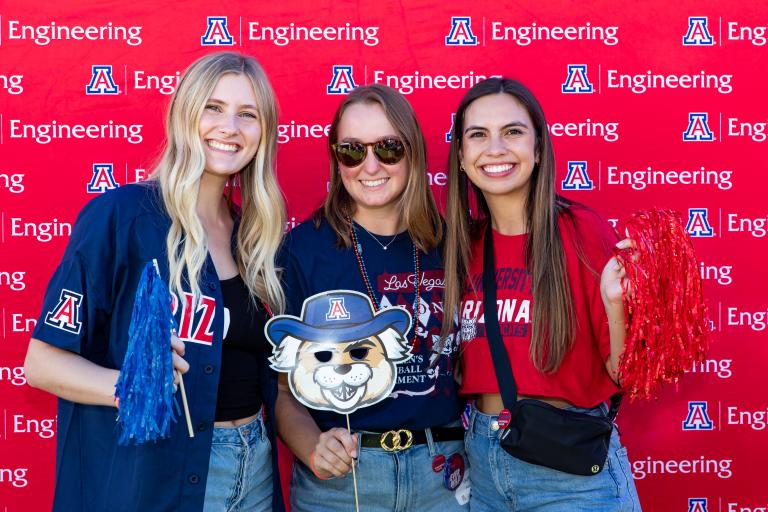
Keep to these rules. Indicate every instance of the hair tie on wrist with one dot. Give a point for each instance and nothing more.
(314, 469)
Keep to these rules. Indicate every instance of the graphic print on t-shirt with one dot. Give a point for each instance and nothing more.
(513, 305)
(430, 359)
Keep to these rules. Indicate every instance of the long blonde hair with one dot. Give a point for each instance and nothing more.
(182, 165)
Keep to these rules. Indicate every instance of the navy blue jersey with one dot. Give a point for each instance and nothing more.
(87, 310)
(426, 392)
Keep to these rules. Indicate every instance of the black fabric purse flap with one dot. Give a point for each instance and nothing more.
(568, 441)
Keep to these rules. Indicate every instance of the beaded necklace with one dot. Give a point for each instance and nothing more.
(367, 280)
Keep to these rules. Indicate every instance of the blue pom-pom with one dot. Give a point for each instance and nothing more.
(145, 385)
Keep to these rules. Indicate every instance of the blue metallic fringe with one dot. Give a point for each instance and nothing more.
(145, 386)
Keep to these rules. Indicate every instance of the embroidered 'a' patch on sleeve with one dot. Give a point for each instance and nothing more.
(66, 314)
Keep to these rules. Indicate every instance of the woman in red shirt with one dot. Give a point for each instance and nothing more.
(559, 300)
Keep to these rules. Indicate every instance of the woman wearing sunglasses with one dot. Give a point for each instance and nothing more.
(378, 232)
(558, 305)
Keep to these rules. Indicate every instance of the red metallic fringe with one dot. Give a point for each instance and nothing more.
(667, 321)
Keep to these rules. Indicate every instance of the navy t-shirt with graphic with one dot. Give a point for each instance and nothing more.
(426, 392)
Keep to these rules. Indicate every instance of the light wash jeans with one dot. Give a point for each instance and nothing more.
(387, 482)
(240, 470)
(502, 482)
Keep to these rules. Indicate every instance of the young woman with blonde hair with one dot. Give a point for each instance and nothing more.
(379, 233)
(218, 260)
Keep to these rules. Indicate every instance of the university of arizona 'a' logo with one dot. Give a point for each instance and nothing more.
(102, 81)
(196, 322)
(698, 33)
(216, 33)
(578, 177)
(449, 133)
(336, 310)
(697, 418)
(342, 81)
(697, 505)
(698, 223)
(461, 32)
(66, 314)
(102, 180)
(698, 128)
(577, 81)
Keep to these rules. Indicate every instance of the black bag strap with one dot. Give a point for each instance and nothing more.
(501, 363)
(507, 385)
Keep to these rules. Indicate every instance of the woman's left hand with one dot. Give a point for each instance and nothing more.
(613, 278)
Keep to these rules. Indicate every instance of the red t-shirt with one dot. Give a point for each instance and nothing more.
(582, 378)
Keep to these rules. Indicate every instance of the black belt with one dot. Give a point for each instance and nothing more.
(402, 439)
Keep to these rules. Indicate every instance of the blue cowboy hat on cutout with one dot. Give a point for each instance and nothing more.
(337, 316)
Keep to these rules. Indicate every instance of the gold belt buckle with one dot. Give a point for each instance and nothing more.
(392, 440)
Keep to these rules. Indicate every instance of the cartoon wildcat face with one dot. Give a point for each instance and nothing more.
(341, 355)
(342, 376)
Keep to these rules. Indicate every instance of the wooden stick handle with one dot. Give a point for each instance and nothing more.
(354, 473)
(186, 406)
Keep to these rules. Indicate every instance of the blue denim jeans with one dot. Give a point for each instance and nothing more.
(240, 470)
(503, 482)
(387, 482)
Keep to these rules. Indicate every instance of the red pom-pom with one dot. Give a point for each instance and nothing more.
(667, 320)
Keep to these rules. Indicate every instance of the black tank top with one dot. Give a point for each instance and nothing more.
(244, 350)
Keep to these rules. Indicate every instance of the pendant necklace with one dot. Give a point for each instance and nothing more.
(383, 246)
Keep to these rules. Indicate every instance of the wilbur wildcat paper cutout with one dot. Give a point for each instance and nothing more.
(340, 355)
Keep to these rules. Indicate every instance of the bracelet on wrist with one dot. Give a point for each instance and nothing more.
(314, 469)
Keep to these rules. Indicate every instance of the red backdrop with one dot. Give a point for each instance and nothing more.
(650, 104)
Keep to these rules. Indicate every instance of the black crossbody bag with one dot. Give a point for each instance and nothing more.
(540, 433)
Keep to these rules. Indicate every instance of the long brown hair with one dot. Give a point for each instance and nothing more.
(467, 214)
(417, 206)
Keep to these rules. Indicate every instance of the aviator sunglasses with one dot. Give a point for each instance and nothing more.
(388, 151)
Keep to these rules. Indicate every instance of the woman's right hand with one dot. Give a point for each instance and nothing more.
(333, 454)
(180, 366)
